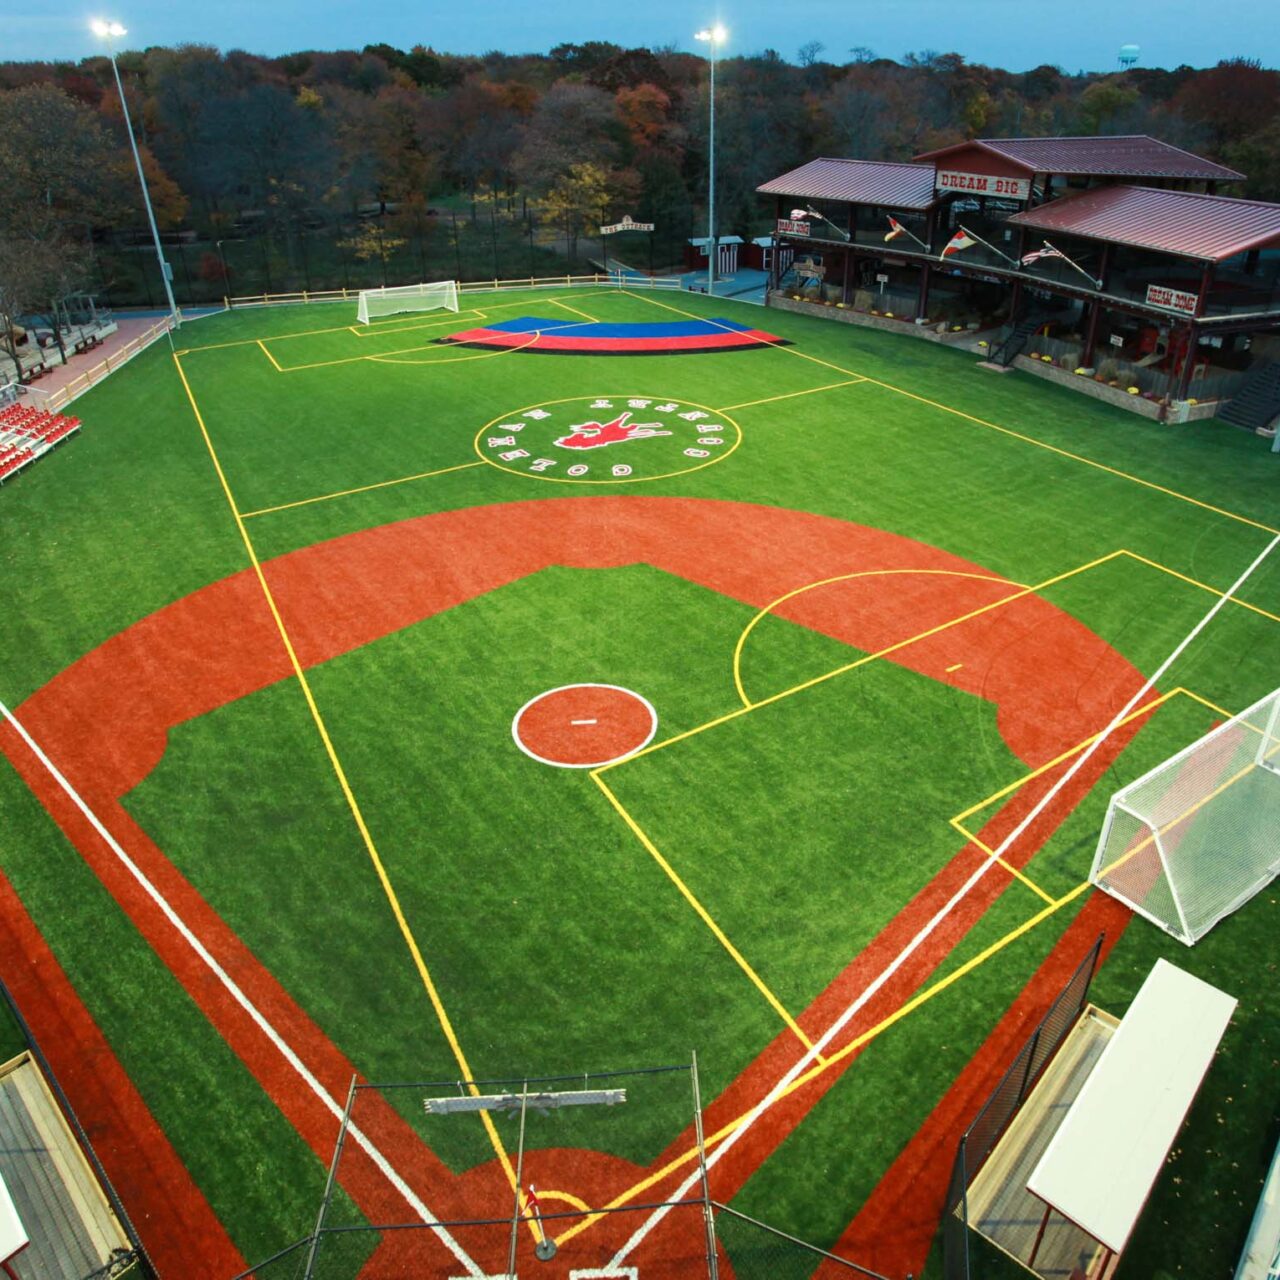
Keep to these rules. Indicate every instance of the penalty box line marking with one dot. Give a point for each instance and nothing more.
(703, 914)
(1016, 834)
(237, 994)
(353, 804)
(992, 426)
(341, 328)
(802, 1073)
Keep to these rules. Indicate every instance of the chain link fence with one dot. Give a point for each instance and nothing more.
(978, 1141)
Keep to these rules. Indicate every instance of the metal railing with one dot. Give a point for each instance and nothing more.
(613, 280)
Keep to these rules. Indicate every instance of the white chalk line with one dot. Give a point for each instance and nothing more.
(326, 1099)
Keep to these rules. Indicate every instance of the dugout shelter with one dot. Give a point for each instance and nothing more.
(1062, 1190)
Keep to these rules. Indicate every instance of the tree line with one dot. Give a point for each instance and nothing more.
(320, 169)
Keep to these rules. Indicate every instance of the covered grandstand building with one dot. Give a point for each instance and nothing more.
(1117, 256)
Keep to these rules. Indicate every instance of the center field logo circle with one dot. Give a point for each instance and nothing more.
(608, 439)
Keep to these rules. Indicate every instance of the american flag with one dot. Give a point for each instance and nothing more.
(1047, 252)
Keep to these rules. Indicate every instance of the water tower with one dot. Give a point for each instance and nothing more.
(1128, 56)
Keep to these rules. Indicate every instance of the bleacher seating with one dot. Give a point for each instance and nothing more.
(28, 433)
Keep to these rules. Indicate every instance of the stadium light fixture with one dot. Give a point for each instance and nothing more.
(111, 32)
(714, 36)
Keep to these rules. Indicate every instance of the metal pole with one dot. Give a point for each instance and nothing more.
(515, 1212)
(146, 195)
(713, 1263)
(329, 1181)
(711, 182)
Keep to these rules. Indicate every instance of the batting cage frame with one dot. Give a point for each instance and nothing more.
(341, 1250)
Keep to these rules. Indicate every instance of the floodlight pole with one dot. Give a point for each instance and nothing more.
(109, 32)
(713, 36)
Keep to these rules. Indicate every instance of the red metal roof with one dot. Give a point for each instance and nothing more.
(1131, 156)
(897, 186)
(1183, 222)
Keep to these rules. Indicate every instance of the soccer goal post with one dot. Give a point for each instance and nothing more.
(1194, 839)
(375, 303)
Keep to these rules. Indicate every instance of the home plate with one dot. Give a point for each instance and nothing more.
(584, 726)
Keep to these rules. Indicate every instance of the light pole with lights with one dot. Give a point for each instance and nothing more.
(713, 36)
(111, 32)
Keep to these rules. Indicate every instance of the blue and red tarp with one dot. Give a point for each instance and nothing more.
(552, 336)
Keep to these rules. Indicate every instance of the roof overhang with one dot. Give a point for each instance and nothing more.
(1105, 1157)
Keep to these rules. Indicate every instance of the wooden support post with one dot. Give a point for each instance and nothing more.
(1035, 1248)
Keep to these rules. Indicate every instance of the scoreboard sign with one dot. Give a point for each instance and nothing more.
(788, 226)
(983, 184)
(1172, 299)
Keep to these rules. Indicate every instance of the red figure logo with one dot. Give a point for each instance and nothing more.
(594, 435)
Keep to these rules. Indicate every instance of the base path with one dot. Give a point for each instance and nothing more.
(104, 721)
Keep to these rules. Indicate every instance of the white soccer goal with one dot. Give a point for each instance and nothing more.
(1193, 840)
(410, 297)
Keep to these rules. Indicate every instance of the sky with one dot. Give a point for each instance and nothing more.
(1014, 34)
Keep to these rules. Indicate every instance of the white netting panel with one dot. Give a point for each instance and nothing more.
(409, 297)
(1194, 839)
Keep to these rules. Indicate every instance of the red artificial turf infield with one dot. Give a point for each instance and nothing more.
(105, 719)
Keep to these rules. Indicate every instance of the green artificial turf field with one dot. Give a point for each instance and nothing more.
(403, 891)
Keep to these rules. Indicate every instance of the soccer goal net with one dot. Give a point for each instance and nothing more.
(1193, 840)
(410, 297)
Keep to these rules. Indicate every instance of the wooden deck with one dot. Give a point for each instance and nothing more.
(72, 1228)
(999, 1204)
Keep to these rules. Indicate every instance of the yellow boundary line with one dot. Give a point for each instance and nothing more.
(364, 488)
(703, 914)
(846, 577)
(353, 804)
(311, 333)
(982, 422)
(1051, 907)
(858, 1042)
(1204, 586)
(268, 354)
(575, 310)
(859, 662)
(791, 395)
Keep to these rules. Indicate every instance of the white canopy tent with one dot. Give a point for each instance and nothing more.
(1100, 1166)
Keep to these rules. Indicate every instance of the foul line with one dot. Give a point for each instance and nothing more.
(384, 880)
(233, 989)
(364, 488)
(982, 422)
(703, 914)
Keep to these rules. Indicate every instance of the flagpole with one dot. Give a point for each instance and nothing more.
(899, 229)
(1093, 280)
(979, 240)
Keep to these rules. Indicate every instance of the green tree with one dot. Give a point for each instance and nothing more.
(578, 202)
